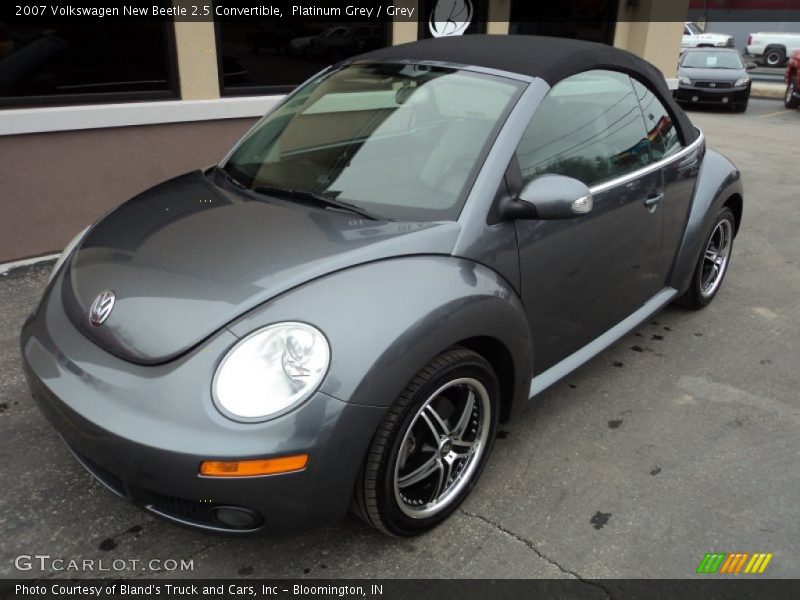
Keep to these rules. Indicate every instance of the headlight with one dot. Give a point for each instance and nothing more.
(741, 82)
(271, 370)
(66, 252)
(684, 80)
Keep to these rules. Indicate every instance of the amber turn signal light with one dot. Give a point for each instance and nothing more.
(252, 468)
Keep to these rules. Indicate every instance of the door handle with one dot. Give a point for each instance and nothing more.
(653, 200)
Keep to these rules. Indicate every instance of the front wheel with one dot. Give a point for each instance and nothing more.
(789, 99)
(712, 264)
(432, 445)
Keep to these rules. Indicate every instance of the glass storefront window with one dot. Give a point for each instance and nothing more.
(60, 62)
(270, 56)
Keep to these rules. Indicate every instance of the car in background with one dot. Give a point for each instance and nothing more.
(695, 37)
(713, 76)
(270, 36)
(352, 40)
(301, 46)
(792, 78)
(771, 49)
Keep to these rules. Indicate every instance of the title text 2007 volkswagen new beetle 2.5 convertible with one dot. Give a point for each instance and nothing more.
(405, 250)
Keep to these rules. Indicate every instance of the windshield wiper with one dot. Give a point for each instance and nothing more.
(318, 199)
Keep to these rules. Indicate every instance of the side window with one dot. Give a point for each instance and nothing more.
(660, 128)
(588, 127)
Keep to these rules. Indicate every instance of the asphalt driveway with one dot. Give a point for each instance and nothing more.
(679, 440)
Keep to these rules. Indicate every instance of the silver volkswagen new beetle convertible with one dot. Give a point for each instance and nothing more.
(394, 259)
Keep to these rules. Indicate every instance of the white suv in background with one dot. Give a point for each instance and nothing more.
(694, 37)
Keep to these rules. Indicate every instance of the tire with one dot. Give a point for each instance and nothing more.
(705, 282)
(789, 99)
(740, 107)
(774, 56)
(460, 387)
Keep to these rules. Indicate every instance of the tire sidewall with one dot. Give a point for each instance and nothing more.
(789, 101)
(778, 55)
(394, 519)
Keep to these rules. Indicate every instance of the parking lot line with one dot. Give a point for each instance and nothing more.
(773, 114)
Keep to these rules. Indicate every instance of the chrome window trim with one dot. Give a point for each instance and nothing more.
(606, 185)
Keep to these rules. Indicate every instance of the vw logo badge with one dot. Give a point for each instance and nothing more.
(101, 307)
(712, 84)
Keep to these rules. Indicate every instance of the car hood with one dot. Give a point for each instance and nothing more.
(711, 74)
(187, 257)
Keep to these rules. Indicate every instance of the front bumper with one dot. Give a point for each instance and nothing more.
(144, 430)
(698, 95)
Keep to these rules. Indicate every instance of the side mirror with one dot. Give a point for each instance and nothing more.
(750, 66)
(550, 197)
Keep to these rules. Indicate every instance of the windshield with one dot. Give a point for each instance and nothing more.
(693, 29)
(709, 59)
(400, 141)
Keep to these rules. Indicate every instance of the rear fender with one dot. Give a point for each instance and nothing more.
(717, 181)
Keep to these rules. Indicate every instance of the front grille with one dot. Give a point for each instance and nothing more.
(186, 510)
(201, 514)
(714, 84)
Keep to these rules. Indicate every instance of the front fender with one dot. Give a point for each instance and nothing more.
(385, 320)
(717, 181)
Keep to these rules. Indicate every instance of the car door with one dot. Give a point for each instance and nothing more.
(581, 276)
(677, 172)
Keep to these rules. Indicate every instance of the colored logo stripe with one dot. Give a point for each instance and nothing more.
(711, 562)
(722, 562)
(758, 564)
(735, 562)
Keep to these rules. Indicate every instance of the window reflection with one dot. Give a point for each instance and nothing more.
(661, 130)
(589, 127)
(255, 55)
(63, 62)
(400, 140)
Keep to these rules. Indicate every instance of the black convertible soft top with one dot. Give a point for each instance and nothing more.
(549, 58)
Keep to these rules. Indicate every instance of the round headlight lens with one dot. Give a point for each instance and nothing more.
(271, 370)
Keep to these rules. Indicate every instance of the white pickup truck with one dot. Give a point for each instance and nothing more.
(694, 37)
(772, 49)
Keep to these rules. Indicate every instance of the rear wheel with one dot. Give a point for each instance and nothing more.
(432, 445)
(712, 264)
(774, 56)
(789, 99)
